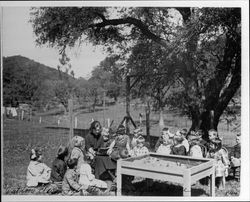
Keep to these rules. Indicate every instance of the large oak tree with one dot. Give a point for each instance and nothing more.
(203, 44)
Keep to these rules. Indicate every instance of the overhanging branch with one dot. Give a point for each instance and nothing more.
(132, 21)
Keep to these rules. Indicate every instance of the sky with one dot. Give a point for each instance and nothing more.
(18, 39)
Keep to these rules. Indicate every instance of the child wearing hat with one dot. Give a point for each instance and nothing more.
(37, 171)
(78, 151)
(59, 165)
(221, 161)
(70, 185)
(178, 148)
(140, 148)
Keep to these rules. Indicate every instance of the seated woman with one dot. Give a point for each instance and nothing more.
(95, 141)
(120, 147)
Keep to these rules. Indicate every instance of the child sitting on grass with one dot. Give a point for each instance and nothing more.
(70, 185)
(59, 166)
(87, 179)
(37, 172)
(140, 148)
(78, 151)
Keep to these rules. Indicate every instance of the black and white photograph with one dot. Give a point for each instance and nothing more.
(124, 100)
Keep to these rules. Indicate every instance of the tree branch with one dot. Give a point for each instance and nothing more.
(132, 21)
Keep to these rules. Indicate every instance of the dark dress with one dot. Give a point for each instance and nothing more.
(120, 147)
(59, 169)
(181, 150)
(93, 141)
(236, 152)
(102, 163)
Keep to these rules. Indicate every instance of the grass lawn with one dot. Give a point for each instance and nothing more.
(19, 137)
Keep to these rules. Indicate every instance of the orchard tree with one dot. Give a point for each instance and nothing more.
(203, 43)
(111, 75)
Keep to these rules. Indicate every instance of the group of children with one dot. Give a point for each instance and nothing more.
(192, 144)
(72, 172)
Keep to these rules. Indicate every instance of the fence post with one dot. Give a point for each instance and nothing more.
(108, 122)
(40, 120)
(76, 122)
(22, 115)
(103, 110)
(71, 132)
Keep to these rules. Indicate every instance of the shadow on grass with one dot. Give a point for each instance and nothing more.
(162, 189)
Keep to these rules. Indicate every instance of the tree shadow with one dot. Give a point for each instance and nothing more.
(163, 189)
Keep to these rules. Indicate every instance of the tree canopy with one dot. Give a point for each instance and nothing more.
(199, 47)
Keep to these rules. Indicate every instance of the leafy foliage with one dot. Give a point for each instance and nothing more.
(200, 48)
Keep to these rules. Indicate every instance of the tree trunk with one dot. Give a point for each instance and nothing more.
(161, 119)
(147, 110)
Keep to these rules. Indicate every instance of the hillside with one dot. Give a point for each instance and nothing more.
(20, 63)
(23, 79)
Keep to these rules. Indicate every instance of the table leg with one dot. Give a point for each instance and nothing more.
(187, 184)
(212, 184)
(119, 179)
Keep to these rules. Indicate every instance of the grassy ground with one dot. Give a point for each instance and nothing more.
(20, 136)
